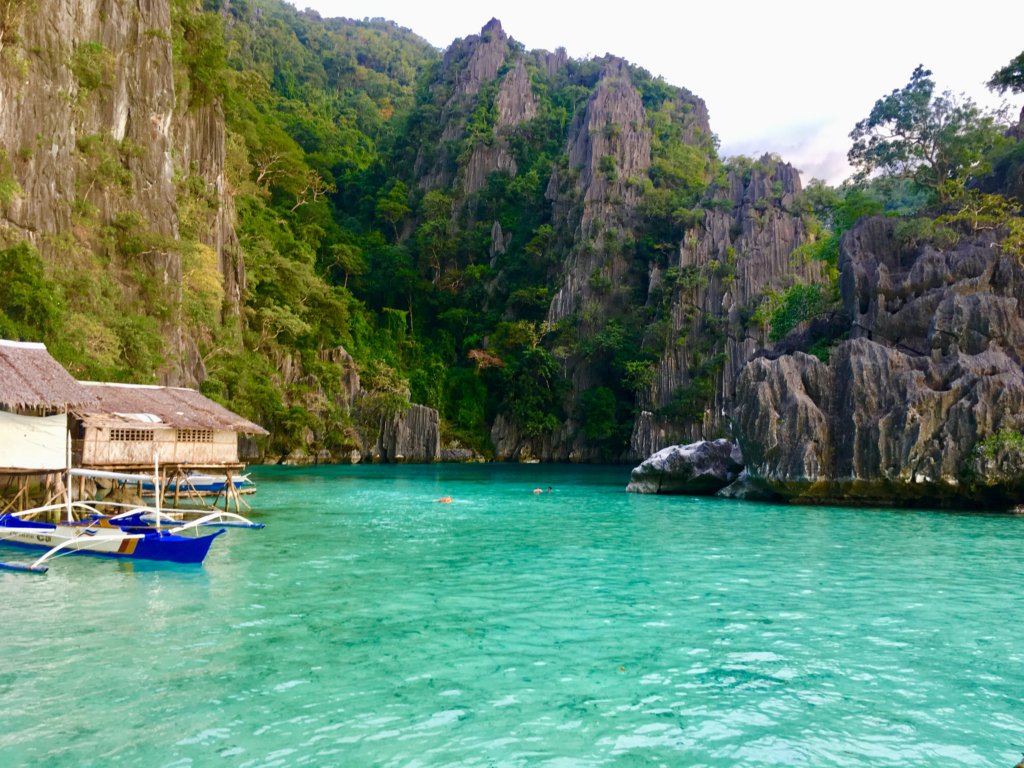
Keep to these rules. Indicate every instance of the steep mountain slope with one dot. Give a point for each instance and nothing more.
(146, 238)
(600, 262)
(321, 220)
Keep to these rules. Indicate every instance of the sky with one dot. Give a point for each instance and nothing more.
(790, 76)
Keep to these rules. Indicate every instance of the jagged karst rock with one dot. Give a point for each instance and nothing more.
(609, 143)
(932, 369)
(553, 63)
(476, 59)
(410, 437)
(349, 370)
(459, 456)
(781, 418)
(201, 141)
(515, 104)
(467, 65)
(701, 469)
(734, 255)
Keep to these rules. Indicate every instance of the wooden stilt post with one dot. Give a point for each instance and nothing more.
(179, 476)
(216, 499)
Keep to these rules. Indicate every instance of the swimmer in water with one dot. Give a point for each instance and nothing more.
(445, 500)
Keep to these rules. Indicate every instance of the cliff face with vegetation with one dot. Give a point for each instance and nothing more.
(87, 125)
(134, 216)
(923, 403)
(382, 251)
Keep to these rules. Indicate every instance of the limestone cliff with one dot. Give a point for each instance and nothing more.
(609, 145)
(468, 64)
(742, 249)
(381, 431)
(97, 137)
(513, 106)
(900, 413)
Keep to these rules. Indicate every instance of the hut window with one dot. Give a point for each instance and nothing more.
(195, 435)
(131, 435)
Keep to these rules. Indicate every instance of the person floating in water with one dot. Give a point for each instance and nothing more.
(537, 490)
(445, 500)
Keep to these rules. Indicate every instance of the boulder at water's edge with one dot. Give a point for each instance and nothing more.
(702, 468)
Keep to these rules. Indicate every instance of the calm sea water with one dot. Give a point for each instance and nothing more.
(368, 625)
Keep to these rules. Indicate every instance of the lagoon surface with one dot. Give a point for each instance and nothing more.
(368, 625)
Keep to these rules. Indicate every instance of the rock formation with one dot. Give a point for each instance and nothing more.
(513, 106)
(609, 144)
(388, 435)
(698, 469)
(932, 369)
(467, 66)
(410, 437)
(96, 132)
(740, 250)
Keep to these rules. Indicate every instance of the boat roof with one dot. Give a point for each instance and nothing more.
(148, 406)
(31, 378)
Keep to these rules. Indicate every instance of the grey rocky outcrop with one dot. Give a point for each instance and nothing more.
(413, 436)
(747, 488)
(62, 132)
(476, 59)
(365, 431)
(609, 144)
(701, 469)
(740, 250)
(468, 64)
(515, 104)
(932, 369)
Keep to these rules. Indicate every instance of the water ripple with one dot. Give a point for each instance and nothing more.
(582, 628)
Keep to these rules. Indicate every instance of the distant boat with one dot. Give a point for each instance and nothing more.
(203, 483)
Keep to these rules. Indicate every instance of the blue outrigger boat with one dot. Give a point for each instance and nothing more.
(137, 532)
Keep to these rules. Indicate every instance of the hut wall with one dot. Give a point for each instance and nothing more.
(117, 446)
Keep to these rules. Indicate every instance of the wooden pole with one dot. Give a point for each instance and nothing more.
(12, 503)
(216, 499)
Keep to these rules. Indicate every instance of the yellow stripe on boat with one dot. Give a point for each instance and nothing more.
(127, 547)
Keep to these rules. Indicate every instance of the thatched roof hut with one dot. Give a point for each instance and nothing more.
(119, 405)
(131, 425)
(31, 380)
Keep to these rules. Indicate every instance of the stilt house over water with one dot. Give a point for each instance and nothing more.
(36, 394)
(128, 425)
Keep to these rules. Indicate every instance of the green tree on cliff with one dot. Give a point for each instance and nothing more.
(936, 141)
(1009, 78)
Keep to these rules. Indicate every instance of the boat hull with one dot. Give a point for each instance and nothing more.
(106, 541)
(204, 485)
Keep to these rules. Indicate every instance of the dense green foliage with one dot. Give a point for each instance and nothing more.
(31, 304)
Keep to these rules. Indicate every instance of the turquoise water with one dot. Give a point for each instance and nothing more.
(368, 625)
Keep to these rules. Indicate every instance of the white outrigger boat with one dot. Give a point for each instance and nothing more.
(138, 532)
(201, 483)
